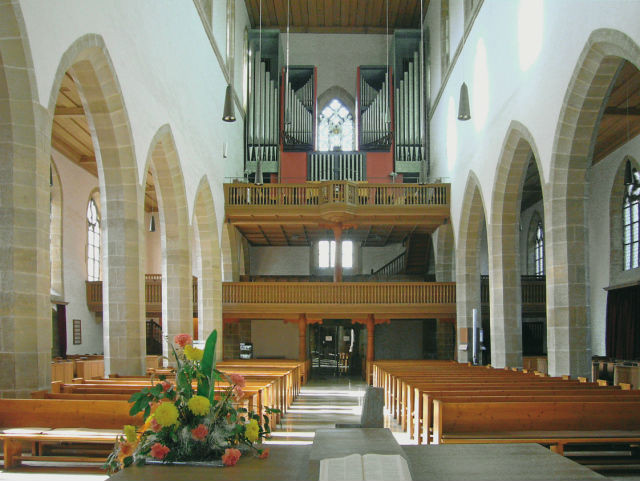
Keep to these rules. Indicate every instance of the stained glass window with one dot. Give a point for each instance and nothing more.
(335, 131)
(631, 237)
(539, 252)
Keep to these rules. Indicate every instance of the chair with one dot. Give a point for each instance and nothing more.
(372, 410)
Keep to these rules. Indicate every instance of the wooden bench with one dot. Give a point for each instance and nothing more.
(555, 424)
(38, 422)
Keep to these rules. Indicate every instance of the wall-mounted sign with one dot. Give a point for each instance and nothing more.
(346, 338)
(328, 338)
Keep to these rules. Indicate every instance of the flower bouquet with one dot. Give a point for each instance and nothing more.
(186, 426)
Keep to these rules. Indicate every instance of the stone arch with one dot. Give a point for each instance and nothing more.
(504, 260)
(616, 254)
(467, 257)
(337, 92)
(445, 254)
(231, 254)
(208, 259)
(57, 271)
(177, 285)
(568, 313)
(24, 259)
(87, 60)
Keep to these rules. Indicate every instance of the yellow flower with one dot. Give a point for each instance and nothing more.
(130, 433)
(166, 414)
(199, 405)
(193, 353)
(252, 430)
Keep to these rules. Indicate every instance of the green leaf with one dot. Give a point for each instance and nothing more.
(138, 406)
(208, 363)
(127, 461)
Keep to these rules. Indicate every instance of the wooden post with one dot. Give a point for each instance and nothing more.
(337, 270)
(302, 330)
(371, 325)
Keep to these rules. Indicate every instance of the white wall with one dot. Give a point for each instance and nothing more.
(376, 257)
(77, 185)
(601, 177)
(336, 56)
(273, 339)
(279, 261)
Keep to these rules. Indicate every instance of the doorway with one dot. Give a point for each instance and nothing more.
(336, 349)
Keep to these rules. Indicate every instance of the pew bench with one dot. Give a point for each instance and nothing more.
(40, 422)
(556, 424)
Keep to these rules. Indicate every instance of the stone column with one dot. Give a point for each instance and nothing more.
(302, 342)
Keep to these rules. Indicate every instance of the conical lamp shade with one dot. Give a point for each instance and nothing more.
(463, 109)
(228, 115)
(628, 180)
(152, 224)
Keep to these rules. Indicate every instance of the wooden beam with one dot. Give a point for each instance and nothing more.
(631, 111)
(69, 111)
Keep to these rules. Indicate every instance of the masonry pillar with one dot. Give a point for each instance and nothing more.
(25, 283)
(302, 339)
(337, 271)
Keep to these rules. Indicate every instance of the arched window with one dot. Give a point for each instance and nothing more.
(93, 241)
(335, 131)
(539, 250)
(631, 232)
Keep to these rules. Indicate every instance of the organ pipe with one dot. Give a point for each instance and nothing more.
(409, 115)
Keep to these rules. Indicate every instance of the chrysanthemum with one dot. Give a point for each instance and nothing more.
(130, 433)
(193, 353)
(199, 405)
(166, 414)
(252, 430)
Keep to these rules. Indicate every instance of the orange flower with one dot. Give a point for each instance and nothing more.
(166, 385)
(237, 393)
(155, 425)
(264, 454)
(159, 451)
(183, 339)
(238, 380)
(230, 456)
(200, 432)
(126, 450)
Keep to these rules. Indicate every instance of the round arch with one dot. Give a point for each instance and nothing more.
(568, 313)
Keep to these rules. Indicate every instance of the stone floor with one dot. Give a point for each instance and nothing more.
(322, 403)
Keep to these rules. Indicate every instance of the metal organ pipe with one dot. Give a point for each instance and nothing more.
(300, 105)
(409, 115)
(374, 128)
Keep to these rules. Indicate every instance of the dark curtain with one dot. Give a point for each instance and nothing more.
(623, 323)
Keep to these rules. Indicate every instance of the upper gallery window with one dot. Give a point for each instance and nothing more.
(539, 250)
(631, 232)
(327, 254)
(335, 131)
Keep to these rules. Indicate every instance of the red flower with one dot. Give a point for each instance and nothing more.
(182, 340)
(155, 425)
(238, 380)
(230, 456)
(126, 450)
(166, 385)
(264, 454)
(199, 432)
(159, 451)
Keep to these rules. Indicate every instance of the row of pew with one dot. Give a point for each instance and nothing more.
(447, 402)
(79, 421)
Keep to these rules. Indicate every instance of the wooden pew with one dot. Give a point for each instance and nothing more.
(556, 424)
(38, 422)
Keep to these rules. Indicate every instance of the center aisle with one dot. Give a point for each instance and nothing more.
(321, 404)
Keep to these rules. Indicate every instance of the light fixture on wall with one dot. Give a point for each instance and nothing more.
(464, 112)
(152, 223)
(228, 115)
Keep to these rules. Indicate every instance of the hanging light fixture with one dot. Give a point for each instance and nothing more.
(228, 115)
(152, 223)
(463, 107)
(388, 110)
(258, 180)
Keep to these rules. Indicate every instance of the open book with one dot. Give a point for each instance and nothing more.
(370, 467)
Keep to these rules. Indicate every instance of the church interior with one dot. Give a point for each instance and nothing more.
(433, 201)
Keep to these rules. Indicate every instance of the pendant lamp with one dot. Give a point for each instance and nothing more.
(463, 108)
(228, 115)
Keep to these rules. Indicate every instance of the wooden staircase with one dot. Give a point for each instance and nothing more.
(417, 255)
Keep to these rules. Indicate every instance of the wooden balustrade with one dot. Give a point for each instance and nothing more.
(152, 294)
(336, 192)
(390, 299)
(534, 290)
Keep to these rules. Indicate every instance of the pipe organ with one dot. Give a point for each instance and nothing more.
(375, 108)
(299, 109)
(409, 114)
(337, 166)
(262, 113)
